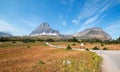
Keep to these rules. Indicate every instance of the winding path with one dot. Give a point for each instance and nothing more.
(55, 46)
(111, 59)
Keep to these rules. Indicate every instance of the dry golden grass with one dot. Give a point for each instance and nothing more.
(39, 57)
(88, 45)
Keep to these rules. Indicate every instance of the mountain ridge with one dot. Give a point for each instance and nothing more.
(4, 34)
(90, 33)
(95, 32)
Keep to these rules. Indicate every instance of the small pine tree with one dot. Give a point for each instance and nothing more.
(102, 44)
(68, 47)
(105, 48)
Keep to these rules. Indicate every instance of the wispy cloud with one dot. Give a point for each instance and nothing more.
(64, 23)
(5, 26)
(114, 29)
(91, 20)
(71, 2)
(92, 8)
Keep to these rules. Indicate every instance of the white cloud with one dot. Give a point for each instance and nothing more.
(5, 26)
(75, 21)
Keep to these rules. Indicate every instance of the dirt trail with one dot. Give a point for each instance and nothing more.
(111, 60)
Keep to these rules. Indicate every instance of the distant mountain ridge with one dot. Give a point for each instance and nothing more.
(90, 33)
(95, 32)
(5, 34)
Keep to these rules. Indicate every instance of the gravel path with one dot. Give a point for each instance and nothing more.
(111, 60)
(62, 47)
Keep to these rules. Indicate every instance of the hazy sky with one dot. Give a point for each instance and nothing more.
(21, 17)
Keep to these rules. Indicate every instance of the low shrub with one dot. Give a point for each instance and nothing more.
(13, 42)
(28, 46)
(95, 48)
(49, 40)
(105, 48)
(40, 62)
(73, 44)
(87, 49)
(68, 47)
(102, 44)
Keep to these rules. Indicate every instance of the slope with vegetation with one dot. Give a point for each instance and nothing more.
(38, 57)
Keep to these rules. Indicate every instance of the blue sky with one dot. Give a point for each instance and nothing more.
(21, 17)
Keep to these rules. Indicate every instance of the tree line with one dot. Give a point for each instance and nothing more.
(73, 39)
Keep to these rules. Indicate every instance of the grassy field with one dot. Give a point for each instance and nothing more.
(88, 45)
(38, 57)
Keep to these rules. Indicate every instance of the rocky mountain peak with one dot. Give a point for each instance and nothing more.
(44, 26)
(44, 29)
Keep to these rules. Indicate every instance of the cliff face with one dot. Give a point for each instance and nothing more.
(95, 32)
(44, 29)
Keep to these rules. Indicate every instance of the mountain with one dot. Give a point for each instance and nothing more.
(91, 33)
(5, 34)
(44, 29)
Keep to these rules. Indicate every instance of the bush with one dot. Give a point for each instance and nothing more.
(102, 44)
(40, 62)
(13, 42)
(28, 46)
(73, 40)
(49, 40)
(68, 47)
(40, 40)
(73, 44)
(105, 48)
(95, 48)
(87, 49)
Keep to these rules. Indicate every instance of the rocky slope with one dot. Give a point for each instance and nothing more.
(95, 32)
